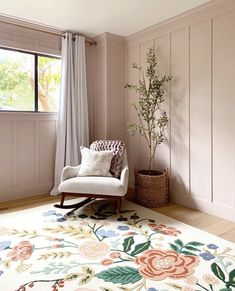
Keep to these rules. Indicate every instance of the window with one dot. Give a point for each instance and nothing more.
(29, 81)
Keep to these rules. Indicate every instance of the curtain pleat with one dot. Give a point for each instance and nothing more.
(72, 126)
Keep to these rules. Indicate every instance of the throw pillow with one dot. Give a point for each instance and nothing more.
(95, 163)
(117, 147)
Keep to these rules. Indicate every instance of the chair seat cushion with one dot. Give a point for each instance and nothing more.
(93, 185)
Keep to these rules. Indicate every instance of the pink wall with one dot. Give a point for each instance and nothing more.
(109, 92)
(198, 50)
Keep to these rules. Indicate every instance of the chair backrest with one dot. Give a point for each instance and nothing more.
(118, 148)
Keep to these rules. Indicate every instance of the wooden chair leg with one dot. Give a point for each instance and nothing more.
(62, 199)
(118, 205)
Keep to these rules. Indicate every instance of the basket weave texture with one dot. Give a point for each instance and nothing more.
(151, 190)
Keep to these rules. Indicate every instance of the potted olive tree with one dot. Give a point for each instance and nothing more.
(151, 186)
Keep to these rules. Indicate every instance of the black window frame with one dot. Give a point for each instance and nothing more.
(36, 55)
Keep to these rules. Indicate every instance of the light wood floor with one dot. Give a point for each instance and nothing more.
(212, 224)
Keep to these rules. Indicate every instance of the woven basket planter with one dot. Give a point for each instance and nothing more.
(151, 190)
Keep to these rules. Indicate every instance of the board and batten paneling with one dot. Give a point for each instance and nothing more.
(143, 155)
(109, 86)
(198, 50)
(132, 142)
(179, 117)
(223, 110)
(6, 153)
(27, 154)
(162, 46)
(200, 110)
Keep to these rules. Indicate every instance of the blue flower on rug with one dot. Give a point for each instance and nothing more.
(123, 227)
(4, 245)
(212, 246)
(107, 233)
(207, 256)
(51, 212)
(1, 272)
(152, 289)
(61, 219)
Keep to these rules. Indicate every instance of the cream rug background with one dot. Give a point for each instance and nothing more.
(93, 249)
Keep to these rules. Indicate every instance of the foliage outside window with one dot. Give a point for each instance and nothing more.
(29, 82)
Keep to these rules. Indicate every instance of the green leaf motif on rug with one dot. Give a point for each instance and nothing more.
(218, 272)
(186, 249)
(120, 275)
(128, 242)
(232, 278)
(140, 248)
(179, 242)
(195, 244)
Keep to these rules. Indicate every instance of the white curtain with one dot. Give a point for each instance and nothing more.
(72, 129)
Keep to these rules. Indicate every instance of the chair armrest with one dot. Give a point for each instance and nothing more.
(124, 178)
(69, 172)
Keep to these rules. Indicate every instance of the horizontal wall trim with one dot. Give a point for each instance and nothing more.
(28, 116)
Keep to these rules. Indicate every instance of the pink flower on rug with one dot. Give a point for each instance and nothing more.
(164, 229)
(22, 251)
(115, 255)
(192, 280)
(158, 265)
(106, 262)
(94, 250)
(211, 280)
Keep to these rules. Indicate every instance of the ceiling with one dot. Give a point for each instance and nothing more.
(93, 17)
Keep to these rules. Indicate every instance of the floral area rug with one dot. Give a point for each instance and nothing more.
(92, 249)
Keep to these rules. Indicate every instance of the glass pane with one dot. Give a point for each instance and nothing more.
(49, 70)
(16, 81)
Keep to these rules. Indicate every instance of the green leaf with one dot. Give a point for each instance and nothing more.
(232, 278)
(174, 248)
(186, 253)
(218, 272)
(191, 248)
(195, 244)
(128, 242)
(179, 242)
(140, 248)
(120, 275)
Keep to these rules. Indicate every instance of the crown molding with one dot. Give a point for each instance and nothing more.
(30, 24)
(202, 8)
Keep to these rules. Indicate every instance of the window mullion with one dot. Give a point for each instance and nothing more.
(36, 84)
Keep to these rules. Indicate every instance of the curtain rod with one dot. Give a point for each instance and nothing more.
(90, 42)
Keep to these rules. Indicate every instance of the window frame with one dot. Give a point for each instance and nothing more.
(36, 55)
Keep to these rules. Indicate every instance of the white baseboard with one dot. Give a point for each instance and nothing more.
(204, 206)
(17, 193)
